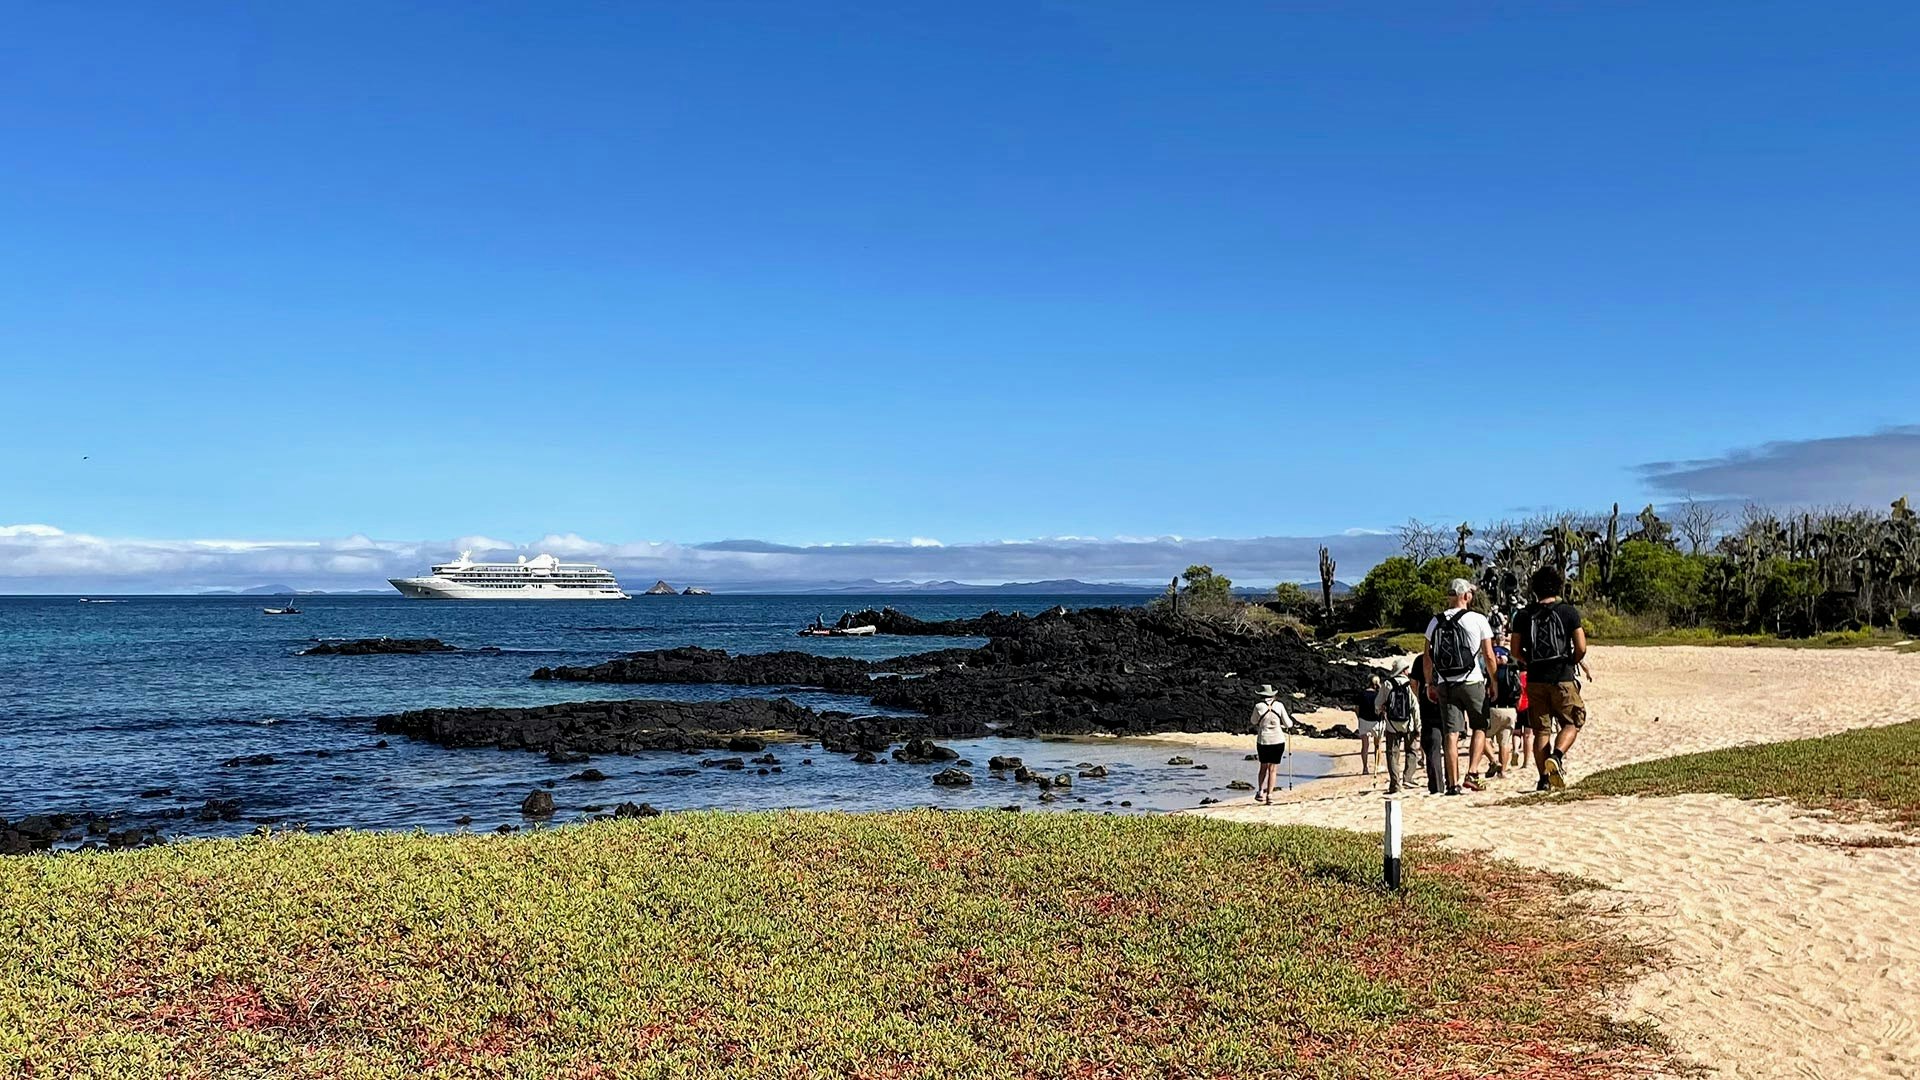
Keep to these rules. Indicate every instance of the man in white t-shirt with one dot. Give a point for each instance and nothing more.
(1460, 656)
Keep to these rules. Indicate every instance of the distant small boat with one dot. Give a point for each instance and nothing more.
(91, 600)
(834, 631)
(288, 609)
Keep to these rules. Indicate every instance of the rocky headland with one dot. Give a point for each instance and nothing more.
(1117, 671)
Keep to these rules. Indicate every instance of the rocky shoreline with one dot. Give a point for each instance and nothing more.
(1106, 671)
(625, 727)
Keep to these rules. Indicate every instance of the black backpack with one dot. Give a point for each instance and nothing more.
(1453, 647)
(1507, 686)
(1400, 707)
(1547, 638)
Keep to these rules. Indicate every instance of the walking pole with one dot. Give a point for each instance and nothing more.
(1392, 845)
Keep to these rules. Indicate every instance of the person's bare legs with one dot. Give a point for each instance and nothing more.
(1477, 752)
(1542, 745)
(1452, 745)
(1568, 734)
(1263, 787)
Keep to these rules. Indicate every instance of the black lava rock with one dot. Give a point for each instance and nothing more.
(379, 646)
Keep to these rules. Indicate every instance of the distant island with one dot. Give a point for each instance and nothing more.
(1054, 587)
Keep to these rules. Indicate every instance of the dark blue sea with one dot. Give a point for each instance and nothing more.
(100, 702)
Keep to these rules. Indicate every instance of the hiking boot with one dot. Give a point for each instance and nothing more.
(1472, 783)
(1543, 785)
(1453, 791)
(1555, 777)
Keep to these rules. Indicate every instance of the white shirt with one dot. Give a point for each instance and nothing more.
(1478, 632)
(1270, 720)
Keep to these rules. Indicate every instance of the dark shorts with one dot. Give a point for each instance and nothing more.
(1466, 705)
(1555, 704)
(1271, 753)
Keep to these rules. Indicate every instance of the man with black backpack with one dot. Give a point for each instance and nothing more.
(1397, 704)
(1550, 643)
(1461, 661)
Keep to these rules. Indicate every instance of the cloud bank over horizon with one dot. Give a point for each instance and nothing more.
(42, 559)
(1869, 470)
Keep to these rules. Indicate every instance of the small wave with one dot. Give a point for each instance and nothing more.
(613, 629)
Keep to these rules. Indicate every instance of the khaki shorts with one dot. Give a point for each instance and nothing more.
(1499, 721)
(1555, 702)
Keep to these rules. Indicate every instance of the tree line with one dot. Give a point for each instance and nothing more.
(1755, 570)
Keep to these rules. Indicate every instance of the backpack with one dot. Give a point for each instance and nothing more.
(1400, 713)
(1273, 723)
(1453, 654)
(1547, 639)
(1507, 686)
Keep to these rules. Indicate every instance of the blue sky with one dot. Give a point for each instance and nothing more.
(809, 273)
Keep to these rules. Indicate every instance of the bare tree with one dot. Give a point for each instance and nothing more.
(1495, 537)
(1421, 541)
(1699, 522)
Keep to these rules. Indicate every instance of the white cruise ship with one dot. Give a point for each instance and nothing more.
(542, 577)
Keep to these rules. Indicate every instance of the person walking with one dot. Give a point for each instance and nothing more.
(1461, 659)
(1506, 690)
(1551, 644)
(1270, 723)
(1433, 726)
(1367, 725)
(1396, 702)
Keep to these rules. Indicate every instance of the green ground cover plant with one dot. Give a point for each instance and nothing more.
(803, 945)
(1869, 771)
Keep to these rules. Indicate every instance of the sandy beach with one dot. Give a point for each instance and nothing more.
(1785, 955)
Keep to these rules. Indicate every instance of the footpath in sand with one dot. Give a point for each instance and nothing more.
(1786, 956)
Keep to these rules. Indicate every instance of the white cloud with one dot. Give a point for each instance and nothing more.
(921, 541)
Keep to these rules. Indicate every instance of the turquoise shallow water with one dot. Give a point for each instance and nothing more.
(99, 702)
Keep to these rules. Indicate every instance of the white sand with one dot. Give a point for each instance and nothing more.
(1787, 957)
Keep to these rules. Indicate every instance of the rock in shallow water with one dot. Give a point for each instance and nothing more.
(953, 778)
(379, 647)
(537, 804)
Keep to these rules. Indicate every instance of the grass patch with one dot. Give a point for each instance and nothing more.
(1405, 641)
(1839, 639)
(1870, 771)
(803, 945)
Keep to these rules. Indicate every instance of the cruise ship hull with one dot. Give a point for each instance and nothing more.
(434, 588)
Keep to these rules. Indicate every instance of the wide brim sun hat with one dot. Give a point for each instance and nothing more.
(1268, 692)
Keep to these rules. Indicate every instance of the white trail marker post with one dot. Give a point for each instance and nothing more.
(1391, 867)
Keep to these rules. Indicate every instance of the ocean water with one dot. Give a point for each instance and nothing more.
(100, 702)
